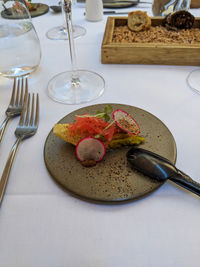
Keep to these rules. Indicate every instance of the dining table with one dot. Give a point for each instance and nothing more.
(42, 225)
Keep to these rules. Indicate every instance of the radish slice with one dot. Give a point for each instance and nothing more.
(125, 122)
(90, 148)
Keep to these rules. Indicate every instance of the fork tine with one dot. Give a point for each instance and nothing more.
(13, 93)
(32, 109)
(17, 93)
(27, 110)
(37, 111)
(21, 121)
(22, 89)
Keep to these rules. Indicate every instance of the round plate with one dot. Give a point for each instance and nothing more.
(41, 9)
(111, 180)
(120, 4)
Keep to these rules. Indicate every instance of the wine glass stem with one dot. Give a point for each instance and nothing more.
(69, 26)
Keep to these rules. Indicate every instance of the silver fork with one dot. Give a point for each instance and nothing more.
(27, 127)
(16, 102)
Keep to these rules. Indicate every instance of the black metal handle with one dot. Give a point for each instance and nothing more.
(185, 181)
(109, 12)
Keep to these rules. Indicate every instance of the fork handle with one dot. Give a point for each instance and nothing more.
(3, 127)
(7, 168)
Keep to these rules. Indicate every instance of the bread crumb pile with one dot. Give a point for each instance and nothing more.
(158, 34)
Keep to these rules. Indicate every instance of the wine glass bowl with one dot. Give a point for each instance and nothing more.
(193, 80)
(64, 89)
(60, 32)
(20, 51)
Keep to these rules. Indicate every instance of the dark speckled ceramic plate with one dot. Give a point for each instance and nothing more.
(112, 180)
(120, 4)
(116, 3)
(41, 9)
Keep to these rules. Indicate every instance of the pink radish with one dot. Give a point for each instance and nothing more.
(125, 122)
(90, 148)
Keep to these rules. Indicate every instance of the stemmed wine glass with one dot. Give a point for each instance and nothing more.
(74, 86)
(20, 51)
(60, 32)
(193, 80)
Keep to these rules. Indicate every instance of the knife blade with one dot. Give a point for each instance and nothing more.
(113, 12)
(120, 1)
(134, 2)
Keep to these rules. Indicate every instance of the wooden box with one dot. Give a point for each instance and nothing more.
(149, 53)
(195, 4)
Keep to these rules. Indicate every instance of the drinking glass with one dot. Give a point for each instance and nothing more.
(60, 32)
(193, 80)
(20, 51)
(74, 86)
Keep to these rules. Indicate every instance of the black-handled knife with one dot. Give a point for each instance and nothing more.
(113, 12)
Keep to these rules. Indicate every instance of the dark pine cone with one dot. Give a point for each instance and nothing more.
(181, 19)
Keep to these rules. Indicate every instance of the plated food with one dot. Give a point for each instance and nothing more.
(17, 7)
(93, 134)
(111, 180)
(17, 11)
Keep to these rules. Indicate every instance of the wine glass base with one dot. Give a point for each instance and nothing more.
(90, 86)
(193, 80)
(60, 33)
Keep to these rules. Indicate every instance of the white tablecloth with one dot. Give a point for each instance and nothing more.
(43, 226)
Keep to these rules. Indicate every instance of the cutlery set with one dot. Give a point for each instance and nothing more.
(108, 4)
(27, 106)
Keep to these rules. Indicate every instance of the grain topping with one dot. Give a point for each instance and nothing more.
(158, 34)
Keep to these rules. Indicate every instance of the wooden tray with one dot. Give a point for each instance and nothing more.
(150, 53)
(195, 4)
